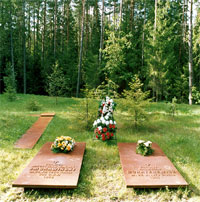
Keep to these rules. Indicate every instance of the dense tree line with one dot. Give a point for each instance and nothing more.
(91, 41)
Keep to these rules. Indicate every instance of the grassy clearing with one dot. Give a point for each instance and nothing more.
(101, 177)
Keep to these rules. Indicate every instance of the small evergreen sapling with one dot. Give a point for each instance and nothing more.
(90, 108)
(195, 95)
(173, 106)
(107, 88)
(56, 82)
(135, 100)
(10, 84)
(33, 105)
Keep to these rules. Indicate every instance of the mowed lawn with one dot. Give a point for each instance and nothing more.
(101, 177)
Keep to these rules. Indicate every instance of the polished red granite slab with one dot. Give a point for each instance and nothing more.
(154, 171)
(52, 170)
(32, 135)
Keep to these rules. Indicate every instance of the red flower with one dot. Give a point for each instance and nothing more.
(99, 132)
(97, 136)
(112, 134)
(104, 130)
(108, 134)
(113, 125)
(108, 137)
(101, 111)
(103, 137)
(110, 125)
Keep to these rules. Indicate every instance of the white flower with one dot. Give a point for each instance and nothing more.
(146, 144)
(103, 121)
(115, 122)
(111, 122)
(107, 123)
(140, 141)
(95, 123)
(100, 128)
(104, 109)
(102, 118)
(107, 98)
(98, 121)
(106, 117)
(111, 100)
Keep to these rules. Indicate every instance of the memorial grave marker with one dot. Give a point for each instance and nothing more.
(32, 135)
(53, 170)
(154, 171)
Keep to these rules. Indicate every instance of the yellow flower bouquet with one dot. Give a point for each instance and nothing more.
(63, 144)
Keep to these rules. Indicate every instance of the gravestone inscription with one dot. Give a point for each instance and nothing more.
(154, 171)
(53, 170)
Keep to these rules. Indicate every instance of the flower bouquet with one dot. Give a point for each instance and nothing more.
(144, 148)
(63, 144)
(105, 126)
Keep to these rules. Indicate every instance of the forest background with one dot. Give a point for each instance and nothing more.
(79, 44)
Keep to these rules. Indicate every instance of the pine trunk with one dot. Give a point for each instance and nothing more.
(44, 33)
(154, 38)
(190, 52)
(114, 10)
(143, 34)
(121, 6)
(132, 14)
(55, 28)
(11, 47)
(87, 28)
(29, 28)
(68, 19)
(34, 37)
(81, 50)
(102, 33)
(37, 27)
(24, 46)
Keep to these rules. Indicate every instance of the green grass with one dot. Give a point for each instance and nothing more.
(101, 177)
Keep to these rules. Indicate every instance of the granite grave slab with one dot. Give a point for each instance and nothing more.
(154, 171)
(52, 170)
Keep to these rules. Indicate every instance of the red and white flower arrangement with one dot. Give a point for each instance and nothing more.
(105, 126)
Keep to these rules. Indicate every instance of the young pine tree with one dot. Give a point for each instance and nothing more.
(135, 100)
(10, 84)
(56, 82)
